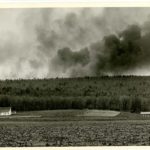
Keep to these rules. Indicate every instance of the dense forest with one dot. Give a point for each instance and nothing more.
(125, 93)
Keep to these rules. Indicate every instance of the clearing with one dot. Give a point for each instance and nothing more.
(74, 128)
(101, 113)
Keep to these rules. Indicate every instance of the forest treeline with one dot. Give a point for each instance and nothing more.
(132, 104)
(125, 93)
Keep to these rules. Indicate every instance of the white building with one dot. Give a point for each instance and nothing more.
(145, 114)
(5, 111)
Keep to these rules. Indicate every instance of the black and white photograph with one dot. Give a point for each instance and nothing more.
(74, 76)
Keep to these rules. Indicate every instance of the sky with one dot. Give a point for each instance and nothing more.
(72, 42)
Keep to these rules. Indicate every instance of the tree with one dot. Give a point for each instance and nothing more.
(125, 103)
(136, 105)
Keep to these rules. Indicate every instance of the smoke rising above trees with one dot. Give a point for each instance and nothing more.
(124, 51)
(116, 53)
(64, 42)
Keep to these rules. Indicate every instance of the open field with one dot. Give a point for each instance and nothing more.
(72, 115)
(101, 113)
(75, 133)
(74, 128)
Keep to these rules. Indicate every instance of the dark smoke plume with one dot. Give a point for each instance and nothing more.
(120, 52)
(67, 58)
(116, 54)
(33, 42)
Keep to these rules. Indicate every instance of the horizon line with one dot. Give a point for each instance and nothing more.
(48, 78)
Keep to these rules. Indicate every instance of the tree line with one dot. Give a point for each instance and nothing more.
(24, 103)
(125, 93)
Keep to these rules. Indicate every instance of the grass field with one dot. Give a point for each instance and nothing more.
(101, 113)
(75, 133)
(72, 115)
(74, 128)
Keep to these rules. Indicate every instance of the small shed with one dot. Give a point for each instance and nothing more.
(145, 114)
(5, 111)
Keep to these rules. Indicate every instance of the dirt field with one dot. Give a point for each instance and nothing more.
(74, 128)
(75, 133)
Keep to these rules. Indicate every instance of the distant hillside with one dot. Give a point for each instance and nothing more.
(116, 93)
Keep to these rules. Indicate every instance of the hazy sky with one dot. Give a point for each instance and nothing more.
(63, 42)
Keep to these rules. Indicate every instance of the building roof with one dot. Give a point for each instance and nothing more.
(4, 109)
(145, 113)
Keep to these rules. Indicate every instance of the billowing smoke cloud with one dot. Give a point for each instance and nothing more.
(116, 54)
(67, 58)
(51, 42)
(121, 52)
